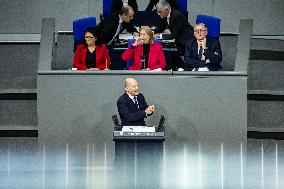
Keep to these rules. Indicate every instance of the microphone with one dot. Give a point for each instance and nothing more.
(143, 58)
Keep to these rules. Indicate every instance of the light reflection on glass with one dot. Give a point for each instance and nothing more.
(66, 167)
(87, 166)
(199, 165)
(262, 166)
(241, 165)
(276, 165)
(222, 167)
(43, 166)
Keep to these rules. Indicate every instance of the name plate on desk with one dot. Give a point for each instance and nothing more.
(138, 129)
(134, 136)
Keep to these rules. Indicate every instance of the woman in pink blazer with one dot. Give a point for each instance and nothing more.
(151, 53)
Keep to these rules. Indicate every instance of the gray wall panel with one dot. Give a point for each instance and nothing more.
(198, 7)
(266, 114)
(265, 75)
(229, 50)
(25, 16)
(18, 65)
(64, 52)
(18, 113)
(265, 15)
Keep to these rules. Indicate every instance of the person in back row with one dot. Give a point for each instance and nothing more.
(152, 4)
(92, 54)
(146, 53)
(202, 54)
(118, 4)
(180, 29)
(111, 26)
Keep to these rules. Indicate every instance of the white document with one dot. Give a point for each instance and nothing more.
(125, 36)
(138, 129)
(203, 69)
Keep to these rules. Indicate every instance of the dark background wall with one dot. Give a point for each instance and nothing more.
(24, 16)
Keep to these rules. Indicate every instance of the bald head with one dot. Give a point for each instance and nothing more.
(131, 86)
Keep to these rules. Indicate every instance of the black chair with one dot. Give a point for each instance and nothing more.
(161, 127)
(117, 125)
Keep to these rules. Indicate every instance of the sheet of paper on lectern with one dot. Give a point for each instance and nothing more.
(138, 129)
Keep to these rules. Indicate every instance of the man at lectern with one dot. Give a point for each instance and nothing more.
(132, 106)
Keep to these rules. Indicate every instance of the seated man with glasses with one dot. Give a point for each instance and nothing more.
(202, 54)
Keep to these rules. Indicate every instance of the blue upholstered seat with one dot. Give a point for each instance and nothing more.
(107, 7)
(182, 5)
(212, 23)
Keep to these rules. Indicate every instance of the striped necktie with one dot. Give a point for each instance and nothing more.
(135, 101)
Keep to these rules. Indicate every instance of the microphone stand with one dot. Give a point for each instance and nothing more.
(143, 58)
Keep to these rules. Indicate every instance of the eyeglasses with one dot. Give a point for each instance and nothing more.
(199, 31)
(89, 37)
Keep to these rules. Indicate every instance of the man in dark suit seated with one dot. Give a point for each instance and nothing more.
(180, 29)
(111, 26)
(202, 54)
(132, 106)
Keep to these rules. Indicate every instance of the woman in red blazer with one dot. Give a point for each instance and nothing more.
(145, 49)
(91, 55)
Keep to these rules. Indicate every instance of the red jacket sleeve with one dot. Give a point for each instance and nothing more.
(101, 63)
(128, 54)
(79, 63)
(161, 58)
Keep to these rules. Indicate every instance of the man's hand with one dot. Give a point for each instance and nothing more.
(150, 110)
(138, 41)
(207, 61)
(156, 36)
(203, 43)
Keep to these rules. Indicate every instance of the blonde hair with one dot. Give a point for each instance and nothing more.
(149, 32)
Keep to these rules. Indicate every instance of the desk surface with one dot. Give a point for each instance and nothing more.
(139, 72)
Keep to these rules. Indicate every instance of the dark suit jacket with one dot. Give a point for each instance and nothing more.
(129, 112)
(117, 5)
(213, 53)
(108, 26)
(152, 3)
(180, 28)
(102, 57)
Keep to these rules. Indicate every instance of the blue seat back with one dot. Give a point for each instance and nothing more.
(80, 26)
(212, 23)
(182, 5)
(107, 7)
(130, 42)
